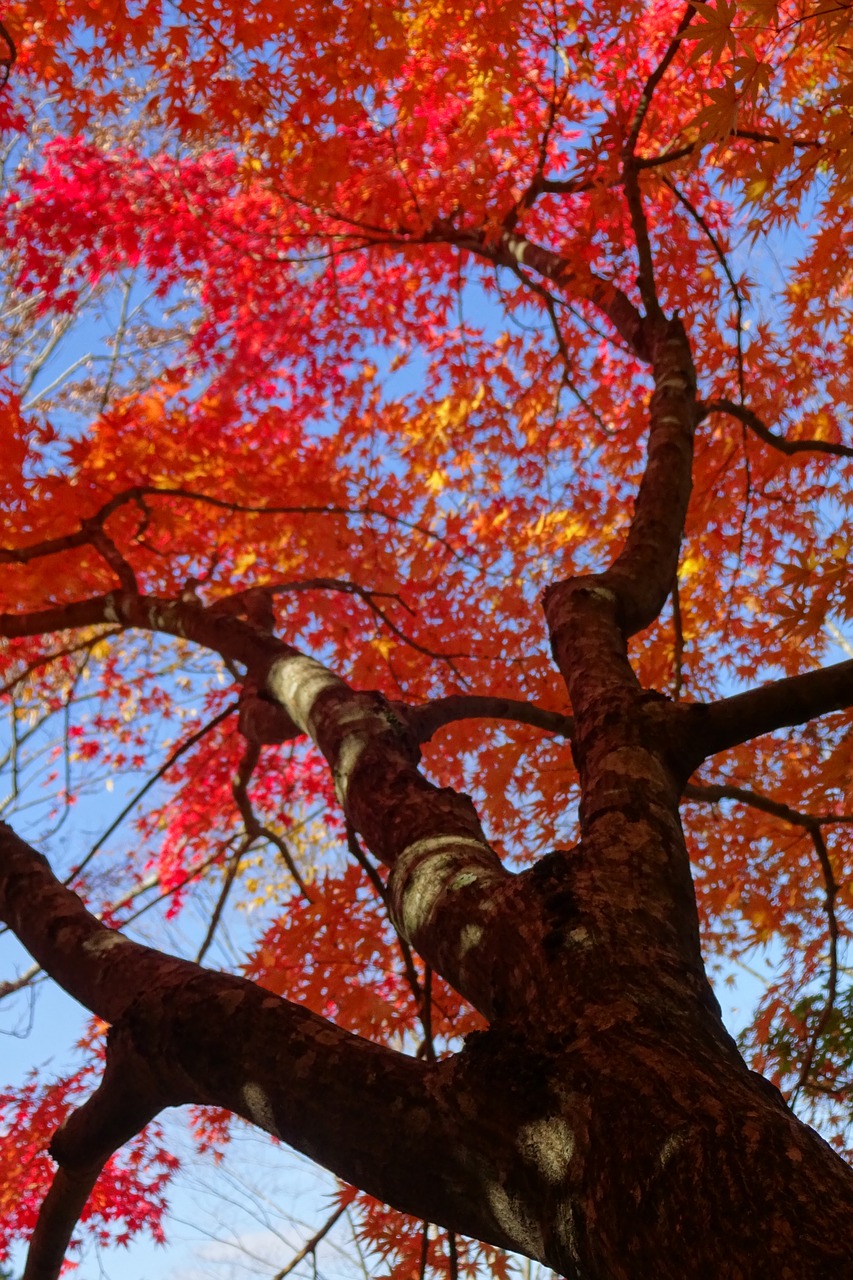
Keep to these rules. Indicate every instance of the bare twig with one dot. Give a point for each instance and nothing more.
(422, 995)
(630, 173)
(648, 91)
(227, 885)
(253, 826)
(678, 646)
(702, 222)
(831, 893)
(172, 759)
(422, 1267)
(81, 537)
(811, 823)
(452, 1257)
(310, 1245)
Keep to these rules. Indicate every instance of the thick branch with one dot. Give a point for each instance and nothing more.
(629, 785)
(647, 565)
(794, 700)
(638, 582)
(433, 1140)
(310, 1245)
(127, 1098)
(445, 878)
(446, 881)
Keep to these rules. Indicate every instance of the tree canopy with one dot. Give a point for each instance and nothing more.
(426, 453)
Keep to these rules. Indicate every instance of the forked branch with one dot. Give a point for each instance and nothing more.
(219, 1040)
(429, 837)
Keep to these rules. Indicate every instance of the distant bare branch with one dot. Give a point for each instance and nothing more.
(310, 1245)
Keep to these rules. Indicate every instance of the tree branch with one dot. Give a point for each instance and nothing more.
(137, 493)
(128, 1097)
(705, 227)
(640, 579)
(811, 823)
(310, 1245)
(513, 249)
(759, 428)
(630, 173)
(830, 894)
(425, 720)
(181, 749)
(445, 877)
(219, 1040)
(254, 828)
(648, 91)
(717, 726)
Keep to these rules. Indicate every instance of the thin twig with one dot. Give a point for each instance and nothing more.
(831, 892)
(648, 90)
(759, 428)
(422, 1268)
(253, 826)
(811, 823)
(422, 995)
(311, 1245)
(702, 222)
(452, 1256)
(175, 755)
(630, 173)
(230, 876)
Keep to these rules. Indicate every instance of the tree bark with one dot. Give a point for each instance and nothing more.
(608, 1129)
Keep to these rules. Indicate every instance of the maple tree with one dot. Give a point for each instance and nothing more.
(446, 541)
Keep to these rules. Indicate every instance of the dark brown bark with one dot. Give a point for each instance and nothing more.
(617, 1136)
(791, 701)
